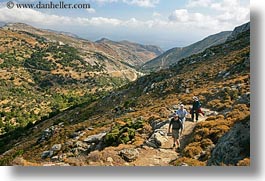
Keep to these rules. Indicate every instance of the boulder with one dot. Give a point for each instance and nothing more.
(244, 99)
(46, 154)
(94, 138)
(157, 139)
(157, 124)
(151, 144)
(56, 147)
(233, 146)
(129, 155)
(160, 138)
(55, 158)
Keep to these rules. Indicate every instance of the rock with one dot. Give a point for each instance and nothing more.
(152, 86)
(151, 144)
(69, 143)
(131, 110)
(210, 113)
(62, 157)
(183, 164)
(157, 124)
(55, 164)
(109, 159)
(94, 138)
(55, 158)
(238, 30)
(48, 133)
(129, 155)
(233, 146)
(157, 139)
(160, 138)
(90, 128)
(79, 150)
(145, 90)
(74, 135)
(98, 146)
(56, 147)
(244, 99)
(226, 74)
(80, 144)
(46, 154)
(145, 147)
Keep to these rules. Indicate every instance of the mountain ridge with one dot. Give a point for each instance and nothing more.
(132, 53)
(173, 55)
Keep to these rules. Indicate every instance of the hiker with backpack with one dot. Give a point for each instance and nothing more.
(182, 113)
(196, 109)
(177, 128)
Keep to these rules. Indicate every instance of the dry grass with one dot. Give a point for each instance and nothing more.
(192, 150)
(188, 161)
(244, 162)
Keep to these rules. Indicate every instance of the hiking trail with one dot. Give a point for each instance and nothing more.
(165, 154)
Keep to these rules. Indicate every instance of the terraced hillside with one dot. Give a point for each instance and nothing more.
(128, 127)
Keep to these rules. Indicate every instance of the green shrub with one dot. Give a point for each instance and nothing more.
(123, 134)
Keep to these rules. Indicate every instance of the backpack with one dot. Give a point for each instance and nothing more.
(176, 124)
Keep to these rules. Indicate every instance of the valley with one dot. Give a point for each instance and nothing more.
(121, 119)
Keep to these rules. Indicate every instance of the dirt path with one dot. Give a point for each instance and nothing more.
(165, 154)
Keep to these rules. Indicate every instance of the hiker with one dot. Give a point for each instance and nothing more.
(196, 108)
(177, 129)
(182, 113)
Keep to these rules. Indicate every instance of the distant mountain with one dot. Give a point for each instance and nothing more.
(134, 54)
(131, 54)
(64, 33)
(172, 56)
(2, 24)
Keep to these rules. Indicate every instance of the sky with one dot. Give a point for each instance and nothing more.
(165, 23)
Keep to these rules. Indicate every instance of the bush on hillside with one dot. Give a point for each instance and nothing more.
(123, 133)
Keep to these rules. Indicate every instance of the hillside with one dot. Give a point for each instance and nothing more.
(174, 55)
(128, 53)
(134, 54)
(44, 72)
(128, 127)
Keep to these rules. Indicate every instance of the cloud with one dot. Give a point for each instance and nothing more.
(232, 10)
(183, 15)
(105, 1)
(156, 15)
(98, 21)
(91, 10)
(179, 18)
(140, 3)
(199, 3)
(26, 15)
(227, 10)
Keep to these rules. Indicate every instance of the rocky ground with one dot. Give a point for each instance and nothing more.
(156, 151)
